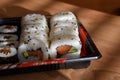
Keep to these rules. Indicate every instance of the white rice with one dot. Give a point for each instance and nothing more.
(63, 16)
(34, 19)
(64, 31)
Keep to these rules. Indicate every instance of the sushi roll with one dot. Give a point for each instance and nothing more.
(64, 36)
(8, 29)
(6, 52)
(9, 44)
(8, 37)
(8, 55)
(34, 43)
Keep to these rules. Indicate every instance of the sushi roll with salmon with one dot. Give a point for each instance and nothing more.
(64, 36)
(34, 38)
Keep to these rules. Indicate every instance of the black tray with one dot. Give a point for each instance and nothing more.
(89, 52)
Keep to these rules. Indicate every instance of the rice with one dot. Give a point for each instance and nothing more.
(34, 19)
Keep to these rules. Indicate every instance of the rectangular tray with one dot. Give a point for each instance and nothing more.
(89, 52)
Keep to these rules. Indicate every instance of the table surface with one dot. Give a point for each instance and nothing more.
(103, 28)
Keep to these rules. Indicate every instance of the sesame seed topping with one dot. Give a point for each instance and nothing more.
(59, 38)
(61, 28)
(33, 43)
(72, 38)
(28, 36)
(25, 42)
(43, 34)
(55, 24)
(46, 49)
(35, 31)
(74, 28)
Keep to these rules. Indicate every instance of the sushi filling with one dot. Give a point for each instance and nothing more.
(8, 37)
(11, 44)
(8, 28)
(65, 49)
(5, 51)
(34, 53)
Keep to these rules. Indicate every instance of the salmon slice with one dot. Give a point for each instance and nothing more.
(63, 49)
(37, 53)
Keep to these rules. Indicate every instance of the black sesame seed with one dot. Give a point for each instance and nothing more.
(55, 24)
(72, 22)
(28, 32)
(29, 40)
(35, 31)
(59, 38)
(42, 27)
(28, 36)
(25, 42)
(36, 19)
(46, 49)
(74, 28)
(61, 28)
(72, 38)
(36, 28)
(43, 34)
(33, 43)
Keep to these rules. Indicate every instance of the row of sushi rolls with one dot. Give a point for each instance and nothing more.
(40, 41)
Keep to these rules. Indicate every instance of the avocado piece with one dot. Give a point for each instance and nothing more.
(72, 50)
(25, 54)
